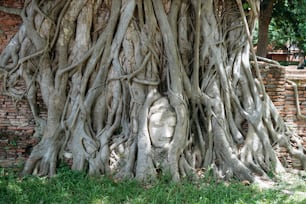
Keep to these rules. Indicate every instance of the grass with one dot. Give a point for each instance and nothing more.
(76, 187)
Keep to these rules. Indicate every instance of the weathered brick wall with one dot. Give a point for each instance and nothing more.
(291, 109)
(299, 78)
(282, 94)
(16, 121)
(9, 24)
(290, 117)
(16, 129)
(274, 80)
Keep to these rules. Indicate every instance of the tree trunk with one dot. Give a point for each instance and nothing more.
(265, 16)
(140, 88)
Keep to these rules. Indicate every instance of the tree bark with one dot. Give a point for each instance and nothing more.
(265, 16)
(141, 88)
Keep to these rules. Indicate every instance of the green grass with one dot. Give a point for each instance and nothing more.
(76, 187)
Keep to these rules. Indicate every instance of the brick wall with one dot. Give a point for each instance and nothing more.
(290, 107)
(9, 24)
(274, 79)
(16, 122)
(282, 94)
(299, 78)
(299, 125)
(16, 129)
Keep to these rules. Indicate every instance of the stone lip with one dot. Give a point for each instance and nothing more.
(292, 73)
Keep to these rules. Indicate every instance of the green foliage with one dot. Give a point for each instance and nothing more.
(77, 187)
(289, 23)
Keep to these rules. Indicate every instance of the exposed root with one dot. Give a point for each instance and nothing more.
(141, 88)
(297, 101)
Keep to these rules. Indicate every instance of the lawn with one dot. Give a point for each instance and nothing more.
(76, 187)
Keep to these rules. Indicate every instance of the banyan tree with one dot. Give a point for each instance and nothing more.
(138, 88)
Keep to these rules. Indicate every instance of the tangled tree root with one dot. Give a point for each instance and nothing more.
(140, 88)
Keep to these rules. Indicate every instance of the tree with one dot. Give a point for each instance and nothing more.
(281, 21)
(265, 16)
(289, 17)
(140, 88)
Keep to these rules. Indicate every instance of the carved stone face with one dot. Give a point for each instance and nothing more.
(162, 122)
